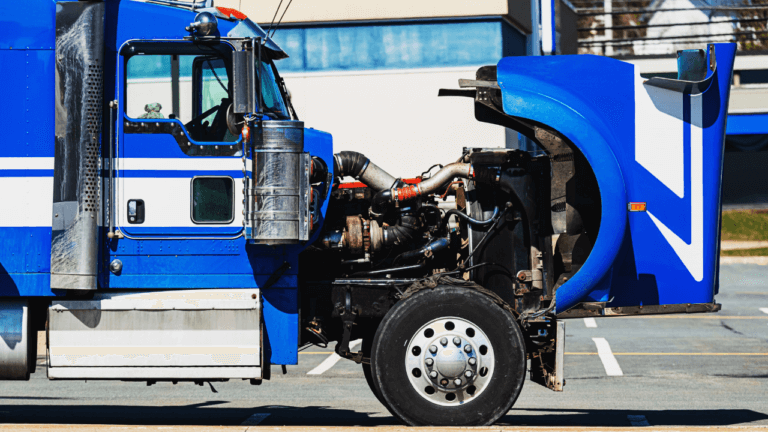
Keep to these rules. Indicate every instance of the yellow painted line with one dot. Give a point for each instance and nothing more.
(673, 354)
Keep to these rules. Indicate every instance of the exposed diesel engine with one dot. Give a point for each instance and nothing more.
(489, 218)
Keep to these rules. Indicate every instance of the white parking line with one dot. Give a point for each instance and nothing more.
(610, 364)
(764, 310)
(590, 322)
(331, 360)
(254, 419)
(638, 420)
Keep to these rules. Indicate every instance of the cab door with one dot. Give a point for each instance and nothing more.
(179, 168)
(178, 171)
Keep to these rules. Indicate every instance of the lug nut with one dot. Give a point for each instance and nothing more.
(444, 341)
(467, 348)
(472, 361)
(433, 374)
(457, 341)
(468, 374)
(444, 382)
(429, 361)
(457, 381)
(433, 349)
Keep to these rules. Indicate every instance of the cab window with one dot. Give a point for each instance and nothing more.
(187, 82)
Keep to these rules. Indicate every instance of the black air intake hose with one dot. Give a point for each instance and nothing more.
(403, 232)
(319, 170)
(354, 164)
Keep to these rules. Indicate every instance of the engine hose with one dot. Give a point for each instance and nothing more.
(432, 247)
(403, 193)
(401, 233)
(319, 170)
(354, 164)
(380, 202)
(470, 220)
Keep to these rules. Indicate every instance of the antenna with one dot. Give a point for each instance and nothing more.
(281, 17)
(273, 17)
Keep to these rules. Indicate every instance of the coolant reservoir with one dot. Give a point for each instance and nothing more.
(278, 188)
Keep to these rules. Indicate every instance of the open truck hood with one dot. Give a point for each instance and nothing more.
(656, 141)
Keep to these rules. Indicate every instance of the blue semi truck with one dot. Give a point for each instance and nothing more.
(167, 217)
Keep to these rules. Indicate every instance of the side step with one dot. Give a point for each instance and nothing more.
(179, 335)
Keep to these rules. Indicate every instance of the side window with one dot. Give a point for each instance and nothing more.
(159, 87)
(195, 89)
(213, 200)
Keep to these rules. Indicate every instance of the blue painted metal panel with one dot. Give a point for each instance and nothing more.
(281, 325)
(26, 119)
(747, 124)
(398, 45)
(138, 20)
(25, 261)
(12, 69)
(28, 24)
(26, 114)
(667, 255)
(39, 104)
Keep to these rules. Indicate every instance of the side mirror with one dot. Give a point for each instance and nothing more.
(247, 82)
(241, 85)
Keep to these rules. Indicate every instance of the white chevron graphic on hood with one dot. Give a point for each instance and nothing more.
(692, 255)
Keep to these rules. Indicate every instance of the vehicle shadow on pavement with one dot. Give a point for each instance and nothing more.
(608, 417)
(199, 414)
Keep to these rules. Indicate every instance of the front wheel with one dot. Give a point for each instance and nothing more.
(448, 356)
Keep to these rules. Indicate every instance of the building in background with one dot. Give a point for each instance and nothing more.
(664, 36)
(649, 33)
(369, 72)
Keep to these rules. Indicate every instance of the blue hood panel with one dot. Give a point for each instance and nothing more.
(654, 141)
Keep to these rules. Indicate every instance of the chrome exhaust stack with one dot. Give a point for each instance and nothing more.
(77, 163)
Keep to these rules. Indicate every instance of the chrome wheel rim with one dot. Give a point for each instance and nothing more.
(449, 361)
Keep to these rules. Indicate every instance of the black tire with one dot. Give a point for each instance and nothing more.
(407, 317)
(367, 344)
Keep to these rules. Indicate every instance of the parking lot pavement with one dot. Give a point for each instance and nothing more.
(684, 371)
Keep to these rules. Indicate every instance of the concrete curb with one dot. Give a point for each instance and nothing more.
(734, 245)
(761, 260)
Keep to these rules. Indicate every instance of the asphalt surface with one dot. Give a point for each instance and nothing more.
(684, 371)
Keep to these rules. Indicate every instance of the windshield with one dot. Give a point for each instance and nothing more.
(273, 99)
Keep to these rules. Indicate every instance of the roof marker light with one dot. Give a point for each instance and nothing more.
(231, 13)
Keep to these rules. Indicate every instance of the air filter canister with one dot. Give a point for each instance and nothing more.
(278, 196)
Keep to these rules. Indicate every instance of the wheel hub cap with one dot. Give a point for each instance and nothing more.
(450, 361)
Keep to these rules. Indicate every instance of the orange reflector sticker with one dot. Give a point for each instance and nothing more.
(637, 206)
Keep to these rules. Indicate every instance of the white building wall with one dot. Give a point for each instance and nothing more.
(394, 117)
